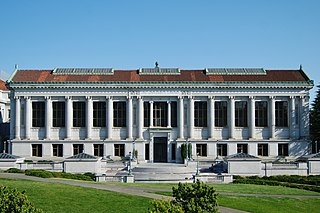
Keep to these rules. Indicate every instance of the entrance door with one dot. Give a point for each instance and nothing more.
(160, 149)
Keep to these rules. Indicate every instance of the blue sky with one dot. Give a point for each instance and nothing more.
(127, 34)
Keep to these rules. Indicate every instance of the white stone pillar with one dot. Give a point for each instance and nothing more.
(272, 117)
(191, 117)
(129, 117)
(17, 118)
(28, 117)
(252, 117)
(140, 119)
(89, 118)
(110, 118)
(169, 114)
(69, 113)
(211, 116)
(232, 117)
(151, 113)
(181, 122)
(292, 125)
(48, 116)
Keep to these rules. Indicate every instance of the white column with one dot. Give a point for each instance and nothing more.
(69, 113)
(292, 117)
(169, 114)
(151, 113)
(17, 118)
(252, 117)
(181, 123)
(140, 119)
(191, 117)
(28, 117)
(129, 117)
(48, 116)
(110, 117)
(89, 118)
(272, 117)
(211, 116)
(232, 117)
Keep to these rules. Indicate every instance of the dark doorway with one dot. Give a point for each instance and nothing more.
(160, 149)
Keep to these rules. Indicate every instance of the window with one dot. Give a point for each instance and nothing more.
(220, 113)
(37, 150)
(160, 114)
(174, 114)
(261, 113)
(283, 149)
(119, 150)
(99, 114)
(38, 114)
(146, 114)
(77, 149)
(281, 113)
(200, 114)
(173, 151)
(241, 119)
(57, 150)
(222, 149)
(202, 150)
(119, 114)
(98, 150)
(263, 149)
(22, 115)
(242, 148)
(79, 114)
(58, 117)
(147, 152)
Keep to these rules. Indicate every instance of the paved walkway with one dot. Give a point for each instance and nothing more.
(144, 192)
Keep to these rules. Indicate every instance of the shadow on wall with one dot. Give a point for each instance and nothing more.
(300, 148)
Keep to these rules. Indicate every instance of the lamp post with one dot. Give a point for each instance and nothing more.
(129, 163)
(197, 173)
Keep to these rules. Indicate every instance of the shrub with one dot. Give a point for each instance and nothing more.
(39, 173)
(184, 151)
(14, 170)
(160, 206)
(11, 200)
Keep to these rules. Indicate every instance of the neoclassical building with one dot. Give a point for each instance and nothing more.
(105, 112)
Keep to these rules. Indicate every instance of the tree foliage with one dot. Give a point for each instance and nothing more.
(189, 150)
(184, 151)
(191, 198)
(11, 200)
(315, 122)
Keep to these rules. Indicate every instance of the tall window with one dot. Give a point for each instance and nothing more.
(38, 114)
(283, 149)
(222, 149)
(37, 150)
(202, 150)
(77, 149)
(147, 151)
(241, 114)
(119, 114)
(200, 114)
(261, 113)
(174, 114)
(99, 114)
(57, 150)
(58, 116)
(98, 150)
(282, 114)
(242, 148)
(263, 149)
(220, 113)
(146, 114)
(160, 114)
(119, 150)
(79, 114)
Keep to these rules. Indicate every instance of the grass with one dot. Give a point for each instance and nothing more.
(55, 198)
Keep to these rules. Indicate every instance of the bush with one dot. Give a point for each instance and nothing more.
(46, 174)
(11, 200)
(184, 151)
(14, 170)
(192, 198)
(39, 173)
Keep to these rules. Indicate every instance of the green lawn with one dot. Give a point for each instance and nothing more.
(55, 198)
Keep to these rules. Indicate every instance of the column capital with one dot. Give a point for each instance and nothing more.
(17, 97)
(180, 97)
(252, 97)
(151, 102)
(139, 97)
(27, 97)
(231, 97)
(211, 97)
(68, 97)
(191, 97)
(168, 102)
(47, 98)
(109, 97)
(271, 97)
(89, 98)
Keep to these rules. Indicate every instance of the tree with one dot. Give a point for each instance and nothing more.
(184, 151)
(189, 150)
(315, 122)
(11, 200)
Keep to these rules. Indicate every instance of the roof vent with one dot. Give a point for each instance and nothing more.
(235, 71)
(83, 71)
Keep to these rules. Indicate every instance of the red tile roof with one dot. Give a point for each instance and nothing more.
(3, 85)
(133, 76)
